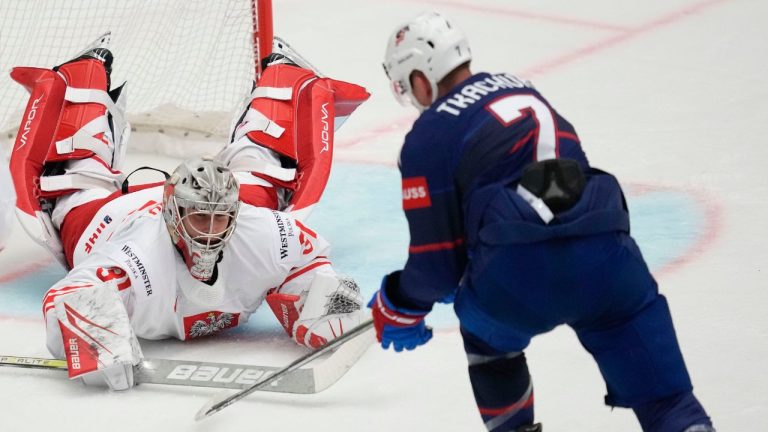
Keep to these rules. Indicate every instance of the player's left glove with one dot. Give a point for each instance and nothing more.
(396, 326)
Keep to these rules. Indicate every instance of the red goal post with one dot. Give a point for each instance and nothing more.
(188, 63)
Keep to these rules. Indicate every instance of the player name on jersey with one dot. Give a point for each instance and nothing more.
(475, 91)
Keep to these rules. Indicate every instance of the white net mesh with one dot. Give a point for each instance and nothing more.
(188, 63)
(346, 298)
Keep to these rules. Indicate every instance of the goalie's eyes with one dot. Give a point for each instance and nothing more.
(207, 223)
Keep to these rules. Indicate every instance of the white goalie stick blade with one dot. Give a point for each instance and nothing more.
(345, 362)
(329, 368)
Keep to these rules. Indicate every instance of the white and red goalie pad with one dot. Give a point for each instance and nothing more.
(295, 113)
(70, 116)
(65, 119)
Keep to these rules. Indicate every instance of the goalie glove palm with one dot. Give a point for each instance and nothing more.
(399, 327)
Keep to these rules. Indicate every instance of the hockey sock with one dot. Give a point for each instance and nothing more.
(501, 384)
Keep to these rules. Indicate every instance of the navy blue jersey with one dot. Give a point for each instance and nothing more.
(485, 131)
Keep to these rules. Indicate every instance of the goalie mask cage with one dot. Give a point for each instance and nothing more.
(188, 64)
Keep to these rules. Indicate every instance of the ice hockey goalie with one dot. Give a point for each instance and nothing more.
(198, 253)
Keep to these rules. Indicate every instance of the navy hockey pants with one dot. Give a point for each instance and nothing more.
(598, 285)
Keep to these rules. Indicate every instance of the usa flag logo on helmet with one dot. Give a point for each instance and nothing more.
(400, 35)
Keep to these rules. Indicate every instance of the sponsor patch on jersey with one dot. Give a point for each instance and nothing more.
(208, 323)
(284, 231)
(135, 267)
(415, 193)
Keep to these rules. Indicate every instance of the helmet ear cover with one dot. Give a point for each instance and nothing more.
(429, 43)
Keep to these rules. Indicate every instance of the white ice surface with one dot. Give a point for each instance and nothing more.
(670, 96)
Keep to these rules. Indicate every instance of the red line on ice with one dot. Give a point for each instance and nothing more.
(25, 270)
(530, 15)
(553, 64)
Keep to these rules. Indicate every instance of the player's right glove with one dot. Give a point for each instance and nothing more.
(396, 326)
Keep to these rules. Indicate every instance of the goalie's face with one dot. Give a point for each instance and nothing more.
(202, 234)
(207, 229)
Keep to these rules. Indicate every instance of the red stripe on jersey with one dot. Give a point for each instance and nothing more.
(431, 247)
(303, 270)
(520, 143)
(568, 135)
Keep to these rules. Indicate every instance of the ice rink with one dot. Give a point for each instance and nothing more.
(668, 95)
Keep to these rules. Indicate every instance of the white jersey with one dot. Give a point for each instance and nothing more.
(7, 202)
(128, 241)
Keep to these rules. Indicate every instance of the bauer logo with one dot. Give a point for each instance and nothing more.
(415, 193)
(190, 372)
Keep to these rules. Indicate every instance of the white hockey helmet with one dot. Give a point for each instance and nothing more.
(429, 43)
(200, 207)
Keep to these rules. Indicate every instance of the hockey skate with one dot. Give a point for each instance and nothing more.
(530, 428)
(283, 53)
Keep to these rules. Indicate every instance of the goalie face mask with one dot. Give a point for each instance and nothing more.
(200, 207)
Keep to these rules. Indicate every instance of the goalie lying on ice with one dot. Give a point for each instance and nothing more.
(193, 255)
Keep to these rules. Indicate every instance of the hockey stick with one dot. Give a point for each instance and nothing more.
(218, 403)
(225, 375)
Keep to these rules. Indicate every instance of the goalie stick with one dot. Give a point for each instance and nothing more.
(226, 375)
(218, 403)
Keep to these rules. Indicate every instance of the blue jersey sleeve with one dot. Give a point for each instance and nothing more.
(432, 205)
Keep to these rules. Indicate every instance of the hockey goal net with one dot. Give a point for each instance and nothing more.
(187, 63)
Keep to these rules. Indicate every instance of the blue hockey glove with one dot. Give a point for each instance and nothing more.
(399, 327)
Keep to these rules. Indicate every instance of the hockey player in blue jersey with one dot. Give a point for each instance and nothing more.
(506, 214)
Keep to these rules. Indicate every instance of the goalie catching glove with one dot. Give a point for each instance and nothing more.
(331, 306)
(98, 341)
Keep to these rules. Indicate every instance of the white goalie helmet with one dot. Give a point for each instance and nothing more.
(429, 43)
(200, 206)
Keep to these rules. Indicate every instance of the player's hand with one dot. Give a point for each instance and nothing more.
(399, 327)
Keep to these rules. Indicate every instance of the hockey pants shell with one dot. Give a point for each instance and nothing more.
(598, 285)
